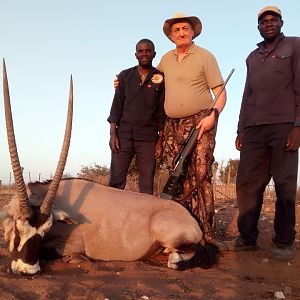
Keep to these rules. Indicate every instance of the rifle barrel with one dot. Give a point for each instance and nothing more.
(221, 90)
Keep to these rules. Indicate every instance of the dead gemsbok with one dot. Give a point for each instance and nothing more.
(77, 218)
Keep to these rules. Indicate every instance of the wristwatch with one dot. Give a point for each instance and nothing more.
(216, 111)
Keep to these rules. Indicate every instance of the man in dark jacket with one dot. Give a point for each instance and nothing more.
(269, 136)
(137, 120)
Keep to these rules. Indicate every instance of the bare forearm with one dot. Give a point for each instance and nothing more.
(221, 101)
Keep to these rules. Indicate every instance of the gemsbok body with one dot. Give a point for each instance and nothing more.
(77, 218)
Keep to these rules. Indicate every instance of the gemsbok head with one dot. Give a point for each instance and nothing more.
(31, 223)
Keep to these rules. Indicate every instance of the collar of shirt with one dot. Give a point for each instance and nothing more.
(151, 71)
(261, 45)
(189, 51)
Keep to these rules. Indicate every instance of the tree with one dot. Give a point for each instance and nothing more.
(94, 172)
(228, 171)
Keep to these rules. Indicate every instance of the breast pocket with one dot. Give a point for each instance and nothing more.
(151, 95)
(283, 58)
(283, 64)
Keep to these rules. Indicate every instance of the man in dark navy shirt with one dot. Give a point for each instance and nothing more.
(269, 136)
(137, 120)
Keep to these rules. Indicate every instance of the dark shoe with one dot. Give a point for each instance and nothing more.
(240, 244)
(285, 253)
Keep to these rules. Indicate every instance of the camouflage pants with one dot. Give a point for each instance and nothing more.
(198, 183)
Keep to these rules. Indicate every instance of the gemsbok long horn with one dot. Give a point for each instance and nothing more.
(46, 206)
(25, 208)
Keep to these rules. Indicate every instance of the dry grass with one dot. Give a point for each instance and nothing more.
(6, 189)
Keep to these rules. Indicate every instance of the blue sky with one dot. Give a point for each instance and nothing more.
(45, 41)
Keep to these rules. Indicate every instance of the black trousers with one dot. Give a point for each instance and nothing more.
(145, 161)
(263, 156)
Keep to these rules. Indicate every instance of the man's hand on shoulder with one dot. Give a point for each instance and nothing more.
(116, 81)
(293, 140)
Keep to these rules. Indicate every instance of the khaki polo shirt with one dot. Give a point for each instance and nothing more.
(188, 82)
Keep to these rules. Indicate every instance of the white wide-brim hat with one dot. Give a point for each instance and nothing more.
(180, 17)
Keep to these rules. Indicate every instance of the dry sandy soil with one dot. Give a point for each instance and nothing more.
(244, 275)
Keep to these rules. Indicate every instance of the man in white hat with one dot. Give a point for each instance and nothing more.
(191, 73)
(269, 135)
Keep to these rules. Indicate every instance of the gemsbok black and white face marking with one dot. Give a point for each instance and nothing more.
(25, 243)
(29, 224)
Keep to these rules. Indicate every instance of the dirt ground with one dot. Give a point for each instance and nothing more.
(244, 275)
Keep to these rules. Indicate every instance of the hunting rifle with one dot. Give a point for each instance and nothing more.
(174, 186)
